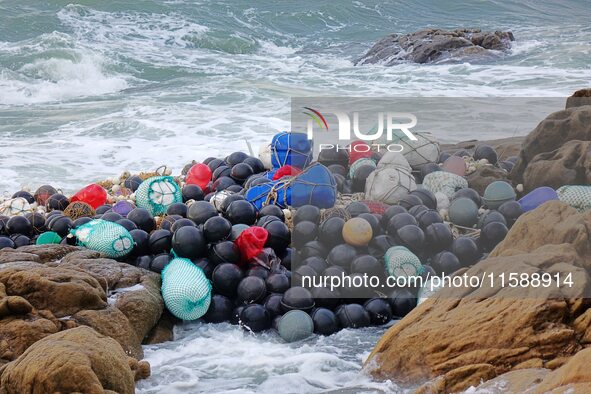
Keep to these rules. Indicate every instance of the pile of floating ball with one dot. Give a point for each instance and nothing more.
(223, 260)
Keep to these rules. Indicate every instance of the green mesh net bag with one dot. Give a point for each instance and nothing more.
(156, 193)
(185, 289)
(400, 261)
(106, 237)
(577, 196)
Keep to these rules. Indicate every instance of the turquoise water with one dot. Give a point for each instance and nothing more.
(91, 88)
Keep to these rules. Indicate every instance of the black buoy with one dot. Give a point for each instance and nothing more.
(428, 168)
(511, 210)
(273, 304)
(400, 220)
(80, 221)
(256, 164)
(334, 155)
(360, 176)
(338, 169)
(241, 211)
(417, 210)
(462, 153)
(111, 216)
(225, 279)
(330, 232)
(342, 255)
(57, 201)
(236, 157)
(61, 225)
(356, 208)
(287, 258)
(297, 298)
(427, 218)
(177, 208)
(279, 236)
(220, 172)
(445, 262)
(410, 200)
(308, 213)
(19, 225)
(486, 152)
(236, 314)
(380, 311)
(411, 237)
(143, 261)
(378, 246)
(304, 232)
(251, 289)
(168, 221)
(325, 321)
(324, 297)
(277, 283)
(389, 213)
(222, 183)
(272, 210)
(133, 182)
(182, 222)
(20, 240)
(142, 219)
(128, 224)
(443, 156)
(189, 242)
(37, 221)
(318, 264)
(353, 316)
(141, 243)
(26, 195)
(215, 163)
(217, 229)
(229, 200)
(192, 192)
(438, 236)
(224, 252)
(313, 248)
(302, 275)
(366, 264)
(206, 265)
(6, 242)
(200, 211)
(160, 241)
(241, 171)
(374, 222)
(264, 219)
(159, 262)
(402, 301)
(255, 318)
(468, 193)
(491, 216)
(99, 211)
(491, 235)
(259, 271)
(220, 309)
(466, 250)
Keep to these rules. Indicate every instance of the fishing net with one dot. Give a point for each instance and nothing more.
(79, 209)
(106, 237)
(294, 149)
(15, 206)
(335, 212)
(578, 197)
(444, 182)
(402, 262)
(185, 289)
(422, 151)
(156, 194)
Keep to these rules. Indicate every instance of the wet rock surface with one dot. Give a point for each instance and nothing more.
(437, 45)
(48, 291)
(88, 362)
(466, 335)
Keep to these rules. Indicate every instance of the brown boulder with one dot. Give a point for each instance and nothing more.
(580, 97)
(62, 291)
(558, 128)
(76, 360)
(485, 331)
(568, 165)
(484, 176)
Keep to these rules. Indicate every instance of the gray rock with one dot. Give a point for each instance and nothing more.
(437, 45)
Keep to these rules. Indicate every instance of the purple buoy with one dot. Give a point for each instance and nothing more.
(123, 207)
(537, 197)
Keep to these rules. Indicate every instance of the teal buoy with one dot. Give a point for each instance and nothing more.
(463, 212)
(497, 193)
(295, 325)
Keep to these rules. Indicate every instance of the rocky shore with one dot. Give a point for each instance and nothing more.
(533, 339)
(67, 306)
(70, 307)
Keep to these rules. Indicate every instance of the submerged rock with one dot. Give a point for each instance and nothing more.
(88, 362)
(437, 45)
(468, 334)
